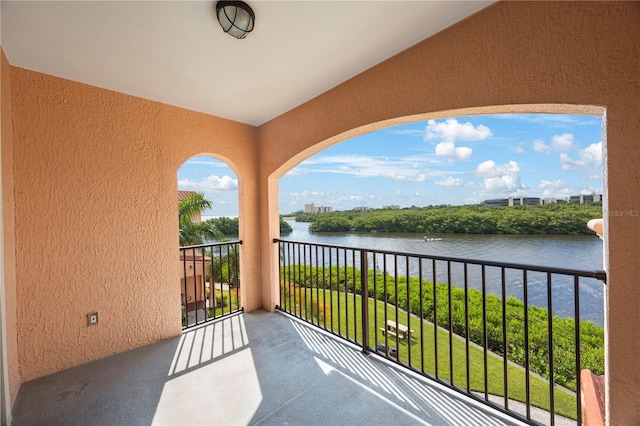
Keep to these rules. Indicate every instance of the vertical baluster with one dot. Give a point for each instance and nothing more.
(552, 409)
(395, 281)
(237, 269)
(420, 294)
(353, 273)
(375, 299)
(299, 281)
(346, 293)
(449, 285)
(203, 286)
(280, 273)
(228, 247)
(408, 306)
(386, 299)
(221, 280)
(317, 285)
(304, 280)
(576, 291)
(338, 290)
(505, 362)
(324, 291)
(185, 296)
(212, 283)
(466, 325)
(484, 334)
(331, 286)
(364, 299)
(527, 378)
(289, 266)
(195, 284)
(435, 316)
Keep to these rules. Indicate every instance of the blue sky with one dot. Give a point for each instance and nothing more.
(461, 160)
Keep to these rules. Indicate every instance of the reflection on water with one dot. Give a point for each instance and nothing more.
(559, 251)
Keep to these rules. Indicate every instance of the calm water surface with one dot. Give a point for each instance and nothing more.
(559, 251)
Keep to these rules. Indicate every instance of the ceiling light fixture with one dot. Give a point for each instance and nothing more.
(235, 17)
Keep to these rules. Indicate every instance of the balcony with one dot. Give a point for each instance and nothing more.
(493, 331)
(256, 368)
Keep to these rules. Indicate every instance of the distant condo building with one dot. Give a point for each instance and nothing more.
(311, 208)
(532, 201)
(362, 209)
(585, 198)
(391, 207)
(516, 201)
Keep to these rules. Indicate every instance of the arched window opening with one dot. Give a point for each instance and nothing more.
(208, 229)
(433, 213)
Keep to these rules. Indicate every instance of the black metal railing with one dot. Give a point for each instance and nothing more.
(494, 331)
(209, 282)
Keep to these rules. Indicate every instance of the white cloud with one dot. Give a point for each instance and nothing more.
(451, 130)
(589, 158)
(518, 149)
(554, 188)
(500, 178)
(452, 152)
(562, 142)
(540, 146)
(210, 183)
(404, 169)
(591, 155)
(449, 181)
(305, 195)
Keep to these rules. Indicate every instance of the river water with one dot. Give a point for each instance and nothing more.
(559, 251)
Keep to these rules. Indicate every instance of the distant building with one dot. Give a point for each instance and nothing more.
(391, 207)
(311, 208)
(362, 209)
(534, 201)
(497, 202)
(585, 198)
(515, 201)
(529, 201)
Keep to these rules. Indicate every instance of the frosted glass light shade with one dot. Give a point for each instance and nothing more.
(235, 17)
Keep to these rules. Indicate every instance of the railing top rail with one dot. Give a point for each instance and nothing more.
(597, 274)
(225, 243)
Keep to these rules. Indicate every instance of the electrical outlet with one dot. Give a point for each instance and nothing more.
(93, 318)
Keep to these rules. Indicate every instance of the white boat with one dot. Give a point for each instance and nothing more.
(427, 238)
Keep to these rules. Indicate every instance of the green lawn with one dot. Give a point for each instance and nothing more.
(351, 316)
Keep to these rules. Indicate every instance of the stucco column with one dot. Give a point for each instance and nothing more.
(622, 236)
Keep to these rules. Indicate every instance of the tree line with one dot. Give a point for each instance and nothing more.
(561, 218)
(215, 229)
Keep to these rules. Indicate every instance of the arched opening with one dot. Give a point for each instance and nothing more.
(565, 166)
(209, 238)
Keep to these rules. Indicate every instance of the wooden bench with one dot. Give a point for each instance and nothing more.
(397, 330)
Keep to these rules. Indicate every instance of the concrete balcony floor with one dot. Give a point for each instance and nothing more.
(257, 368)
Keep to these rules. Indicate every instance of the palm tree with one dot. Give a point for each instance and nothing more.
(192, 232)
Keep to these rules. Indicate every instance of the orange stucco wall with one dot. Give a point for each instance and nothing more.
(95, 215)
(549, 54)
(94, 174)
(8, 222)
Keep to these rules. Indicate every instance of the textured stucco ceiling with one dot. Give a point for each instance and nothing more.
(175, 51)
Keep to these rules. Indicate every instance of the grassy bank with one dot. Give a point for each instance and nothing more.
(338, 312)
